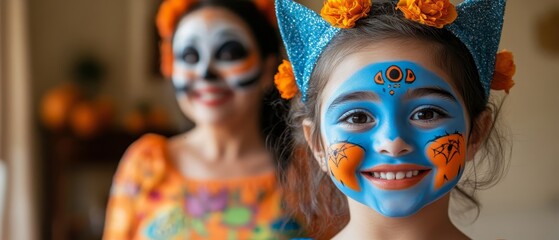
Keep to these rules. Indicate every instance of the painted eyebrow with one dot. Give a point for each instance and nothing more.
(354, 96)
(429, 91)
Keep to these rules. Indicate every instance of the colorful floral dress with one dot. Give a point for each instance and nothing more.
(150, 199)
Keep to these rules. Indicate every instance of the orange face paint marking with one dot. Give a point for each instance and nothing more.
(210, 15)
(343, 160)
(394, 74)
(448, 155)
(410, 76)
(243, 67)
(378, 78)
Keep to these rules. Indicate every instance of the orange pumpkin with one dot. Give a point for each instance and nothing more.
(86, 120)
(56, 106)
(135, 122)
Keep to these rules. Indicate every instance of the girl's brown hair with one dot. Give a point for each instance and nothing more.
(309, 191)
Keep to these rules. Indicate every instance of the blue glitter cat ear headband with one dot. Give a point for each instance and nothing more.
(477, 23)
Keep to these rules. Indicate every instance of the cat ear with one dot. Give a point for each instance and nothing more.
(305, 35)
(478, 26)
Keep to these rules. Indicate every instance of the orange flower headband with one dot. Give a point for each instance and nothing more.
(435, 13)
(170, 12)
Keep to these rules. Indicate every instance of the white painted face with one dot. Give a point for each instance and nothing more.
(217, 65)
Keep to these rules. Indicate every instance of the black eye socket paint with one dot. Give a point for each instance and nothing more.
(246, 83)
(191, 55)
(184, 89)
(231, 51)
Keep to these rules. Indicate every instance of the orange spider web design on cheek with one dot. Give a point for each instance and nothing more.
(448, 154)
(343, 160)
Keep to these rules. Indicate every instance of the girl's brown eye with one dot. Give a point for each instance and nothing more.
(428, 114)
(425, 115)
(359, 118)
(191, 55)
(356, 117)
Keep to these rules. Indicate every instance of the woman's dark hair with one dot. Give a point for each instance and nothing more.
(309, 191)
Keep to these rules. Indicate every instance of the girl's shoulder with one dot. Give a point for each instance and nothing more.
(145, 162)
(150, 149)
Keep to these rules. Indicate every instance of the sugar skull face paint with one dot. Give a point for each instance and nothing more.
(396, 129)
(217, 67)
(213, 47)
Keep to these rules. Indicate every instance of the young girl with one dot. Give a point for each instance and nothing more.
(216, 181)
(393, 102)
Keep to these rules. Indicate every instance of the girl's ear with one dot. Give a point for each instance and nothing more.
(479, 133)
(316, 147)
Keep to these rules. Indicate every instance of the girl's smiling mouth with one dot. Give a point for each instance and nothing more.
(396, 177)
(213, 96)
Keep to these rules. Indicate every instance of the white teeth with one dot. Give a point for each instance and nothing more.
(394, 175)
(409, 174)
(211, 96)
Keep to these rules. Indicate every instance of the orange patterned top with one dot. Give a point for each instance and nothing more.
(150, 199)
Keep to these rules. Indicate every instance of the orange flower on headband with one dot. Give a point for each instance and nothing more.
(435, 13)
(285, 81)
(504, 70)
(166, 20)
(344, 13)
(169, 13)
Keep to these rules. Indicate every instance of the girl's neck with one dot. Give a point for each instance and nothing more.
(228, 140)
(431, 222)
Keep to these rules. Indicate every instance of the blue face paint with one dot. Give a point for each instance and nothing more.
(394, 136)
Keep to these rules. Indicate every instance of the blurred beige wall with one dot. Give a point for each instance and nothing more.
(21, 215)
(526, 204)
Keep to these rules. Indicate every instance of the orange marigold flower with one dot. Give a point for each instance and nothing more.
(166, 59)
(166, 21)
(504, 70)
(435, 13)
(344, 13)
(168, 15)
(285, 80)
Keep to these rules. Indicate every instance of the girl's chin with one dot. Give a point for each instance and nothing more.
(212, 119)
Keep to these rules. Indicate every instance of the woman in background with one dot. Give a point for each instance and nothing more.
(217, 180)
